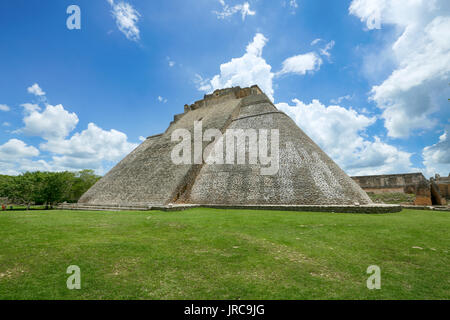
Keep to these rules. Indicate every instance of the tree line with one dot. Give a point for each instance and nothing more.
(45, 188)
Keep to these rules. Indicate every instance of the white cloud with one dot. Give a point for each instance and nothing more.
(142, 139)
(30, 107)
(436, 157)
(126, 19)
(203, 84)
(340, 99)
(17, 166)
(4, 107)
(54, 122)
(227, 11)
(340, 133)
(162, 99)
(89, 148)
(36, 90)
(16, 149)
(301, 64)
(418, 86)
(252, 69)
(6, 124)
(92, 148)
(316, 41)
(245, 71)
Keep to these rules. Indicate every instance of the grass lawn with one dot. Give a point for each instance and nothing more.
(224, 254)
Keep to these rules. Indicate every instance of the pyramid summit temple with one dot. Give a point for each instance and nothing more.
(232, 148)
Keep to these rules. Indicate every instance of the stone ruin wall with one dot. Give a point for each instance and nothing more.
(427, 192)
(443, 184)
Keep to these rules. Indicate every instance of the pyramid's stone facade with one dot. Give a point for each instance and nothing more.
(306, 175)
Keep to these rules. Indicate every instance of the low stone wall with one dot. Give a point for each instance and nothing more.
(365, 209)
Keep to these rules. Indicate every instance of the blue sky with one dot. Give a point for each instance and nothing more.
(366, 80)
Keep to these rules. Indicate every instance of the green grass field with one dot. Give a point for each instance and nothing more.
(224, 254)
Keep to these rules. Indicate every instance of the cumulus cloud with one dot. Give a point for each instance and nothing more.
(4, 107)
(126, 19)
(30, 107)
(436, 157)
(16, 157)
(227, 11)
(36, 90)
(300, 64)
(252, 69)
(414, 90)
(89, 148)
(16, 149)
(340, 133)
(245, 71)
(92, 148)
(21, 165)
(54, 122)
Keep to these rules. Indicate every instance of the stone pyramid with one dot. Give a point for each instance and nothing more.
(305, 176)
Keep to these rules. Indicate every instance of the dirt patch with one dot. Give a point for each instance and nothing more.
(124, 266)
(12, 273)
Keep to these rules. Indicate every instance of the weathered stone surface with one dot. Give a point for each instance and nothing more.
(407, 182)
(443, 184)
(436, 197)
(423, 194)
(431, 192)
(306, 176)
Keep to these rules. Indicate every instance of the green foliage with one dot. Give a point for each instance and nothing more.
(82, 181)
(46, 187)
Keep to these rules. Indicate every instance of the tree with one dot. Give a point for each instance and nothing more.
(46, 188)
(21, 189)
(55, 186)
(83, 180)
